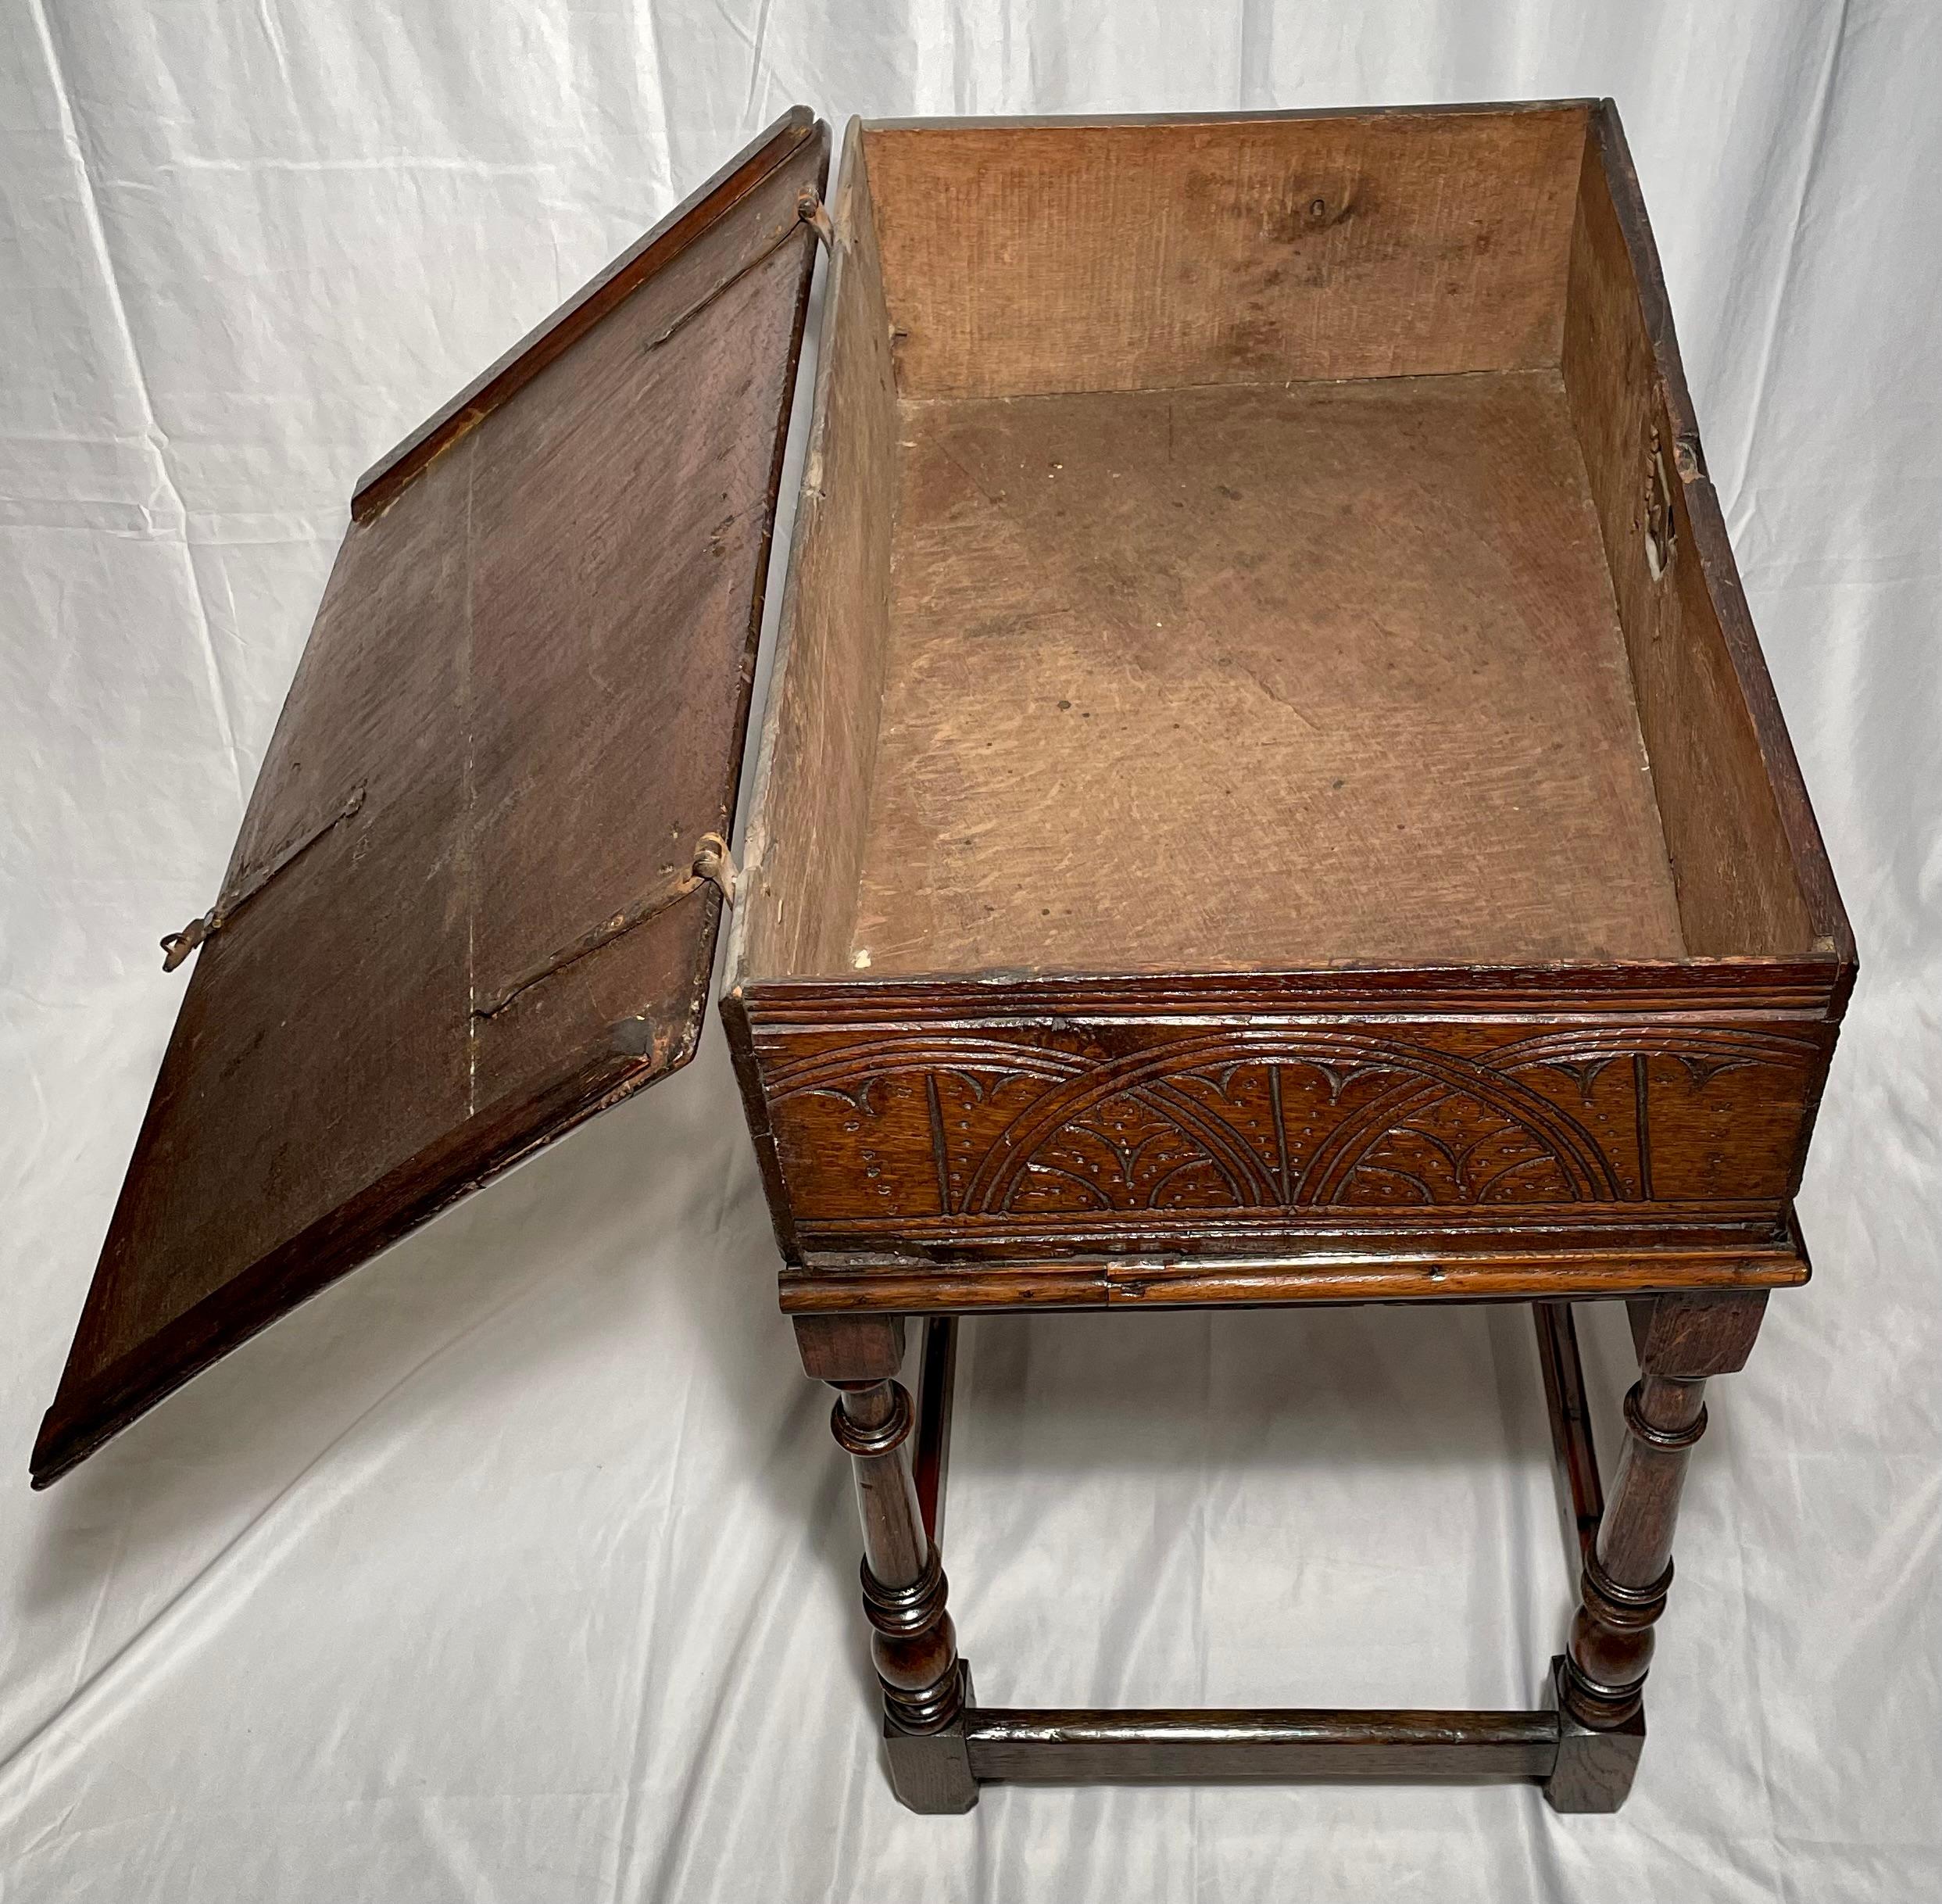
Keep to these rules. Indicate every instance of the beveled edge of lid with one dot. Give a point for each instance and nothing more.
(380, 484)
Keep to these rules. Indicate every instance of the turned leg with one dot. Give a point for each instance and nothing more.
(1599, 1684)
(914, 1644)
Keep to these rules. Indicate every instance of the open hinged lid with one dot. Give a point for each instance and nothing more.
(474, 899)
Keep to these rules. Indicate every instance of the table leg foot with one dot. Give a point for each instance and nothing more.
(1595, 1768)
(930, 1772)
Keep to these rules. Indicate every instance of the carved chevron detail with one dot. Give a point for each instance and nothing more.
(991, 1125)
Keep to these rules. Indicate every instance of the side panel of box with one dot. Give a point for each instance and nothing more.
(954, 1136)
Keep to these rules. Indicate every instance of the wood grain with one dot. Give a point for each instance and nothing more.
(1448, 1269)
(532, 667)
(1684, 1340)
(1083, 1133)
(1572, 1442)
(1243, 676)
(668, 252)
(1738, 831)
(1175, 1746)
(803, 852)
(1021, 259)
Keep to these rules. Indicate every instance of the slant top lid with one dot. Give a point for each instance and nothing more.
(474, 899)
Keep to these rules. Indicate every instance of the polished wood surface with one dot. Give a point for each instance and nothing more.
(936, 1402)
(1595, 1766)
(1572, 1441)
(1270, 794)
(1682, 1340)
(839, 1285)
(1162, 932)
(850, 1348)
(1584, 1746)
(1181, 1747)
(1217, 1137)
(462, 912)
(914, 1644)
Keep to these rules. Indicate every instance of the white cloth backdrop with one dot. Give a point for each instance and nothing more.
(521, 1567)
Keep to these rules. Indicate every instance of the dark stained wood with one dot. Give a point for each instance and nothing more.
(834, 1284)
(520, 715)
(1083, 973)
(1339, 682)
(934, 1399)
(1684, 1340)
(913, 1643)
(1023, 256)
(850, 1348)
(1270, 795)
(931, 1772)
(656, 250)
(1176, 1746)
(1761, 987)
(1595, 1768)
(1691, 1337)
(904, 1588)
(1079, 1134)
(1572, 1438)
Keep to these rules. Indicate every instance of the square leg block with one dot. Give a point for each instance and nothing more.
(1595, 1769)
(930, 1772)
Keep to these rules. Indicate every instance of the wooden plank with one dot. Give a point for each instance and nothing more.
(1182, 1134)
(521, 705)
(803, 856)
(829, 1284)
(1256, 677)
(1174, 1745)
(1023, 258)
(657, 251)
(1801, 987)
(1751, 873)
(937, 1391)
(1571, 1440)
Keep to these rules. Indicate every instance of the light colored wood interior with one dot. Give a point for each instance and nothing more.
(1111, 644)
(1738, 891)
(805, 842)
(1257, 676)
(1020, 260)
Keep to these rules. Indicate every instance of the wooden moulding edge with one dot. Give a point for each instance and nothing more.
(1807, 986)
(702, 209)
(828, 1285)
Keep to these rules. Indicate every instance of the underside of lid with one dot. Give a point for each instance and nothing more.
(475, 896)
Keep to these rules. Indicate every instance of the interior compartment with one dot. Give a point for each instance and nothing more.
(1248, 543)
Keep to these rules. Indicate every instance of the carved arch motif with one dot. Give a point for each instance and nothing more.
(1261, 1117)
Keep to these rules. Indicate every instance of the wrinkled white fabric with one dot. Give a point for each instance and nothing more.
(520, 1565)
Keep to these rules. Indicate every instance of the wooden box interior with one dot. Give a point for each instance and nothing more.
(1223, 544)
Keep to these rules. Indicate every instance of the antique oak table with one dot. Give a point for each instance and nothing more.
(1269, 794)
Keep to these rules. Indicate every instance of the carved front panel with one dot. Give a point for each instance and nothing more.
(968, 1133)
